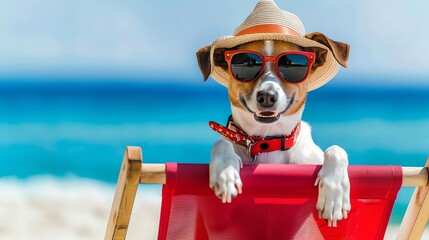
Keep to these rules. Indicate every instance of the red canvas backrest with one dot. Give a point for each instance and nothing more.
(278, 202)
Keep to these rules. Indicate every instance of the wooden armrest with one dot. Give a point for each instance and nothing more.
(155, 174)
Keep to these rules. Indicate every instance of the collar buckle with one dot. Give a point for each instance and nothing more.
(256, 145)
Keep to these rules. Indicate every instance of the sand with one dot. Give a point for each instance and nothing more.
(71, 208)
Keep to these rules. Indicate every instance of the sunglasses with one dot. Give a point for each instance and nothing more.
(247, 66)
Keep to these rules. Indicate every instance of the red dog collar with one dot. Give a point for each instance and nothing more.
(256, 145)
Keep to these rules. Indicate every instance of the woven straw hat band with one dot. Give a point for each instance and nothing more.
(267, 28)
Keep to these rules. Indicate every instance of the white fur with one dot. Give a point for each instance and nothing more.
(333, 201)
(227, 158)
(269, 47)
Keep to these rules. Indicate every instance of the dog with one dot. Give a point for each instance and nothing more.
(267, 88)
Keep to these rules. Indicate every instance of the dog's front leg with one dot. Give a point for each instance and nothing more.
(333, 202)
(225, 167)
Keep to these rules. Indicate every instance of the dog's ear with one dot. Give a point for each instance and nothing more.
(203, 57)
(219, 58)
(340, 50)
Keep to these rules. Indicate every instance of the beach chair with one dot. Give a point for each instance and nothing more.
(278, 202)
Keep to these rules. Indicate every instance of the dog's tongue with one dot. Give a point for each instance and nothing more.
(267, 113)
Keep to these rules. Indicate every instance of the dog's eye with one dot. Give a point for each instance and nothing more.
(246, 66)
(293, 67)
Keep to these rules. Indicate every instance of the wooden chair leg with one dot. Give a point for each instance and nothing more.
(126, 189)
(417, 214)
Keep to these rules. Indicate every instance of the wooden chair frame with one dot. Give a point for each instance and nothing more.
(133, 172)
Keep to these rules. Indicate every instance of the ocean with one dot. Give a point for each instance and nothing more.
(79, 129)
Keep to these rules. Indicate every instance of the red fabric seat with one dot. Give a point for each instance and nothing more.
(278, 202)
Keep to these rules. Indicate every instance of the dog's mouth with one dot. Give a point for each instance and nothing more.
(267, 116)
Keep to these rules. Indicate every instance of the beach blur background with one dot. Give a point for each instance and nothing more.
(81, 80)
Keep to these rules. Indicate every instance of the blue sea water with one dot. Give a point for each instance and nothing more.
(82, 127)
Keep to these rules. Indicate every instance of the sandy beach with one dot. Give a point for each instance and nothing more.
(70, 208)
(74, 208)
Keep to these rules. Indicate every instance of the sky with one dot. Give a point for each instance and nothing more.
(156, 39)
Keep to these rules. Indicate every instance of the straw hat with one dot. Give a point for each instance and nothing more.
(268, 22)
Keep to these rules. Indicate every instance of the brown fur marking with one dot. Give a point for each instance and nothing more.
(340, 50)
(237, 89)
(203, 58)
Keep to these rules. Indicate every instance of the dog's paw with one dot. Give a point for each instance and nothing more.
(333, 203)
(225, 175)
(226, 183)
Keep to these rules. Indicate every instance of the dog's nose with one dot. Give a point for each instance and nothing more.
(267, 98)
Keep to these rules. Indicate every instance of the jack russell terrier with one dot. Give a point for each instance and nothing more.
(268, 66)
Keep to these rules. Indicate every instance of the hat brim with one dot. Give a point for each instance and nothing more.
(318, 78)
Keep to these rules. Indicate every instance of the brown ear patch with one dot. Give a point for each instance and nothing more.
(203, 58)
(219, 58)
(340, 50)
(320, 56)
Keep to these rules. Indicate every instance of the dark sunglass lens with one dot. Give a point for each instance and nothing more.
(293, 67)
(246, 66)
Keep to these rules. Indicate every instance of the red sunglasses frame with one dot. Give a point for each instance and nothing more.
(311, 57)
